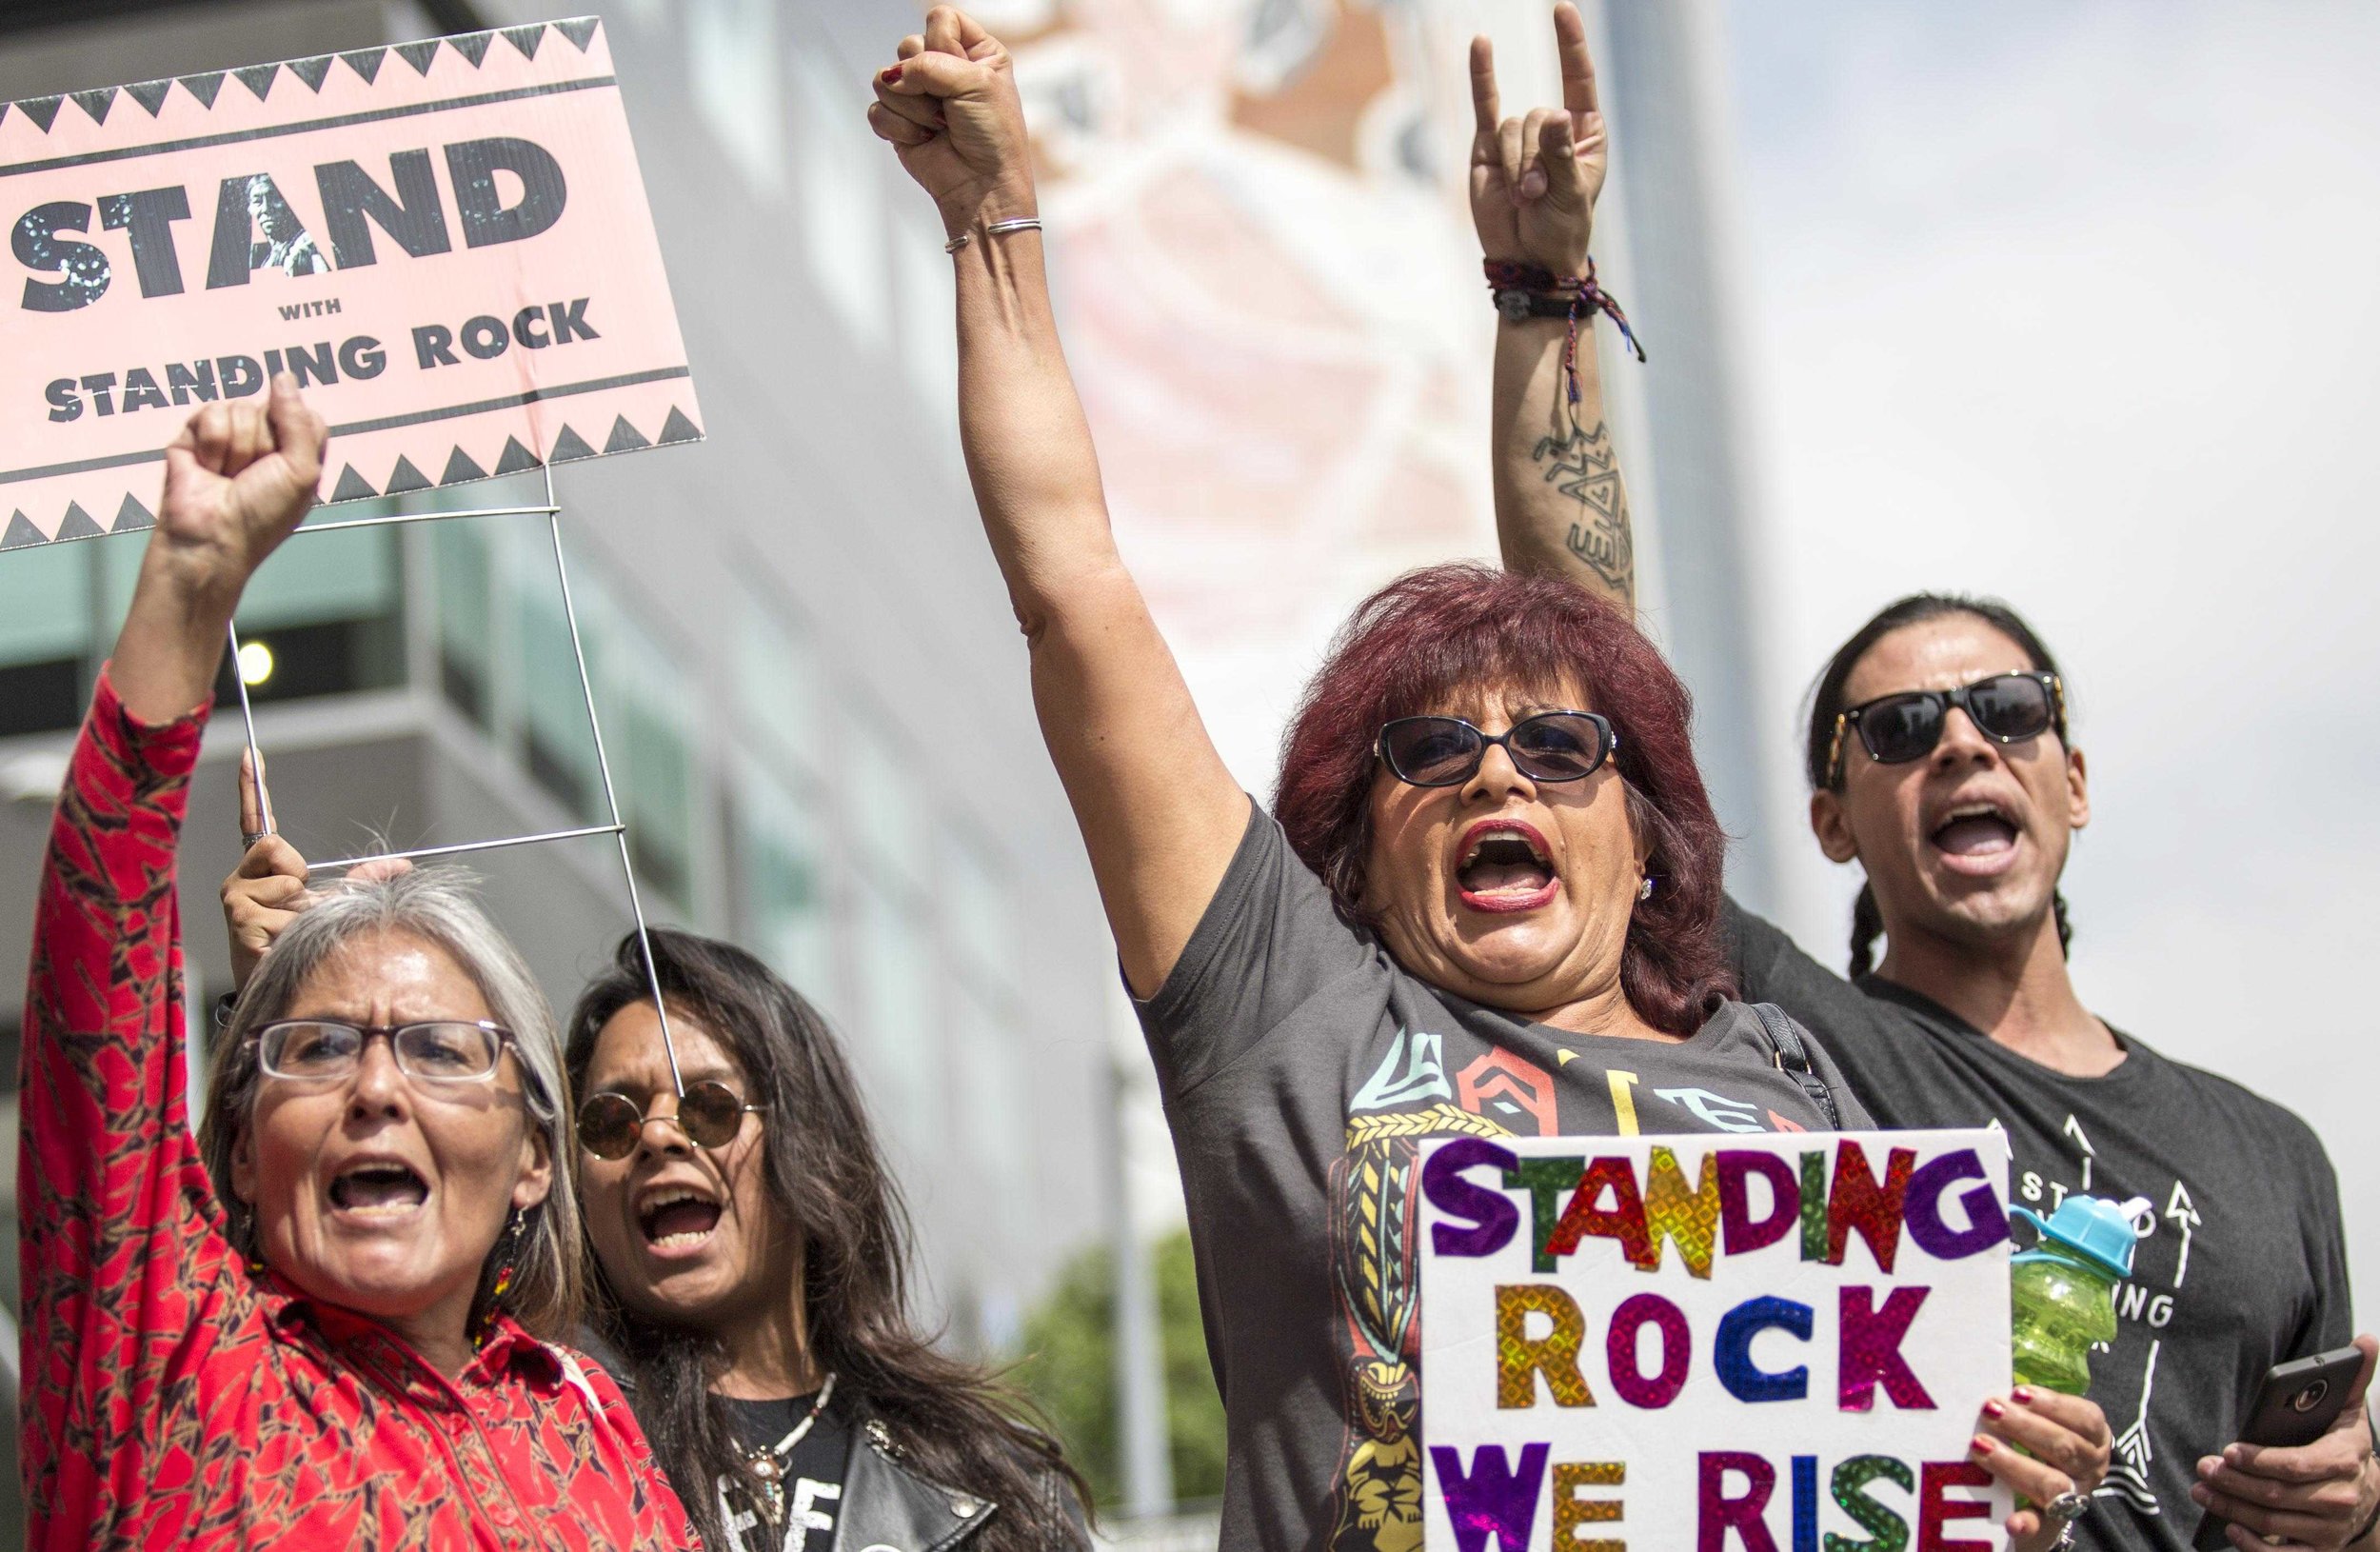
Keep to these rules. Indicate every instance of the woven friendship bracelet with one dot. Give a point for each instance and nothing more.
(1585, 296)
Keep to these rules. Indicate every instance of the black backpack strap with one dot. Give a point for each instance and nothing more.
(1792, 1056)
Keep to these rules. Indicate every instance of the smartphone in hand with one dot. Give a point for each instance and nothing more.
(2294, 1406)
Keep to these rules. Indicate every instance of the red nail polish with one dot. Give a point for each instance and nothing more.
(2022, 1395)
(1992, 1409)
(1983, 1445)
(892, 73)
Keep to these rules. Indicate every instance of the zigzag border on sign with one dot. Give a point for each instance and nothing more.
(479, 460)
(313, 71)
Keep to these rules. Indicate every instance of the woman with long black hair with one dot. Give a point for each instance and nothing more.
(750, 1261)
(751, 1264)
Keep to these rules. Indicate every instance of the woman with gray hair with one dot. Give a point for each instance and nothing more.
(426, 909)
(327, 1323)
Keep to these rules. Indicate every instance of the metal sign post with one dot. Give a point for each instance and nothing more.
(616, 828)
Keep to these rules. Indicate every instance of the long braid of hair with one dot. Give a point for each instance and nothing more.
(1866, 925)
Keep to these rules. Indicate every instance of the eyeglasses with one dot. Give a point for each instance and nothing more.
(437, 1050)
(2007, 708)
(709, 1113)
(1446, 751)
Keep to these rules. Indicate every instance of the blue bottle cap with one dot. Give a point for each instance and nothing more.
(2092, 1228)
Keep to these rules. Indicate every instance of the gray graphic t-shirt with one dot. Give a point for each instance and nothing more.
(2242, 1261)
(1302, 1069)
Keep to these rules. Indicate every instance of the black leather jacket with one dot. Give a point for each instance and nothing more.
(886, 1508)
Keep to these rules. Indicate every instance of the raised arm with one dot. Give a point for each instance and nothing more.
(114, 1249)
(1560, 507)
(1159, 814)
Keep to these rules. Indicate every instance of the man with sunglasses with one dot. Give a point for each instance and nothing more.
(1938, 761)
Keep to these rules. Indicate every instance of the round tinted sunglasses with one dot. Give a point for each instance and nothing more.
(1446, 751)
(1894, 729)
(710, 1114)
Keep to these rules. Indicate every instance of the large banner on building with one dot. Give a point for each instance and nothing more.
(1771, 1343)
(447, 242)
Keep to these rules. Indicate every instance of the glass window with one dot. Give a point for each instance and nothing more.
(782, 907)
(314, 578)
(462, 560)
(44, 603)
(657, 799)
(44, 634)
(325, 612)
(557, 745)
(644, 702)
(642, 696)
(777, 684)
(310, 580)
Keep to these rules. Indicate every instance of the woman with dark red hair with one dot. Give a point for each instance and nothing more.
(1490, 906)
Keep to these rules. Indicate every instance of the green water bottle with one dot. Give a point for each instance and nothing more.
(2061, 1292)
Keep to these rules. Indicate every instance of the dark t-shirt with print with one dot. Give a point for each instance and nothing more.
(1302, 1069)
(2243, 1266)
(814, 1471)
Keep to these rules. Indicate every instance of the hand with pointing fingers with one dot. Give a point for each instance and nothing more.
(1535, 179)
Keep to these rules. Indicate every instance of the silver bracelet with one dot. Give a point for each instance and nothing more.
(998, 229)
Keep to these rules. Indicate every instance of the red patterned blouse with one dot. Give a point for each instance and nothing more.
(171, 1395)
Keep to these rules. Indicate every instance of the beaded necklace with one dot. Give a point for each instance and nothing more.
(768, 1463)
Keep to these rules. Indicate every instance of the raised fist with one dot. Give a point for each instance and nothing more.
(951, 110)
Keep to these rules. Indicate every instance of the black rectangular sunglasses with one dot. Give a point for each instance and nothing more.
(1446, 751)
(2007, 708)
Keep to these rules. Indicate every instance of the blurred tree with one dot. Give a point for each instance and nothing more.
(1070, 1370)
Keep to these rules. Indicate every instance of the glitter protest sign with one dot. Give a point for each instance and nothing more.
(1771, 1343)
(447, 242)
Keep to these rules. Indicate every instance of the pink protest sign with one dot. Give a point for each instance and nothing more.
(447, 242)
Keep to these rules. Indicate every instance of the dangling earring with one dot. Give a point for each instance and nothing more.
(244, 1231)
(1644, 890)
(512, 1245)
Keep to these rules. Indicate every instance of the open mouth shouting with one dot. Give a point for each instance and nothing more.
(1977, 837)
(377, 1191)
(1505, 866)
(677, 1218)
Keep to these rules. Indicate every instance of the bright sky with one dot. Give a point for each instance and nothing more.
(2077, 305)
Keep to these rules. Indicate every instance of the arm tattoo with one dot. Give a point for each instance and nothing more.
(1585, 466)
